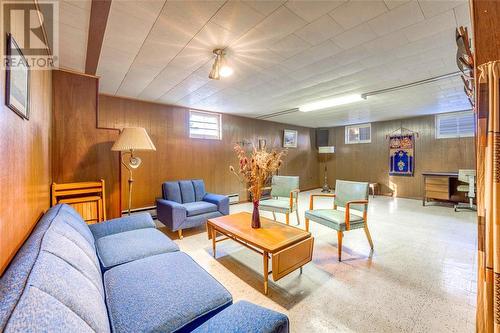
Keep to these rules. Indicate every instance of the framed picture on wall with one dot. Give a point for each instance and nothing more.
(17, 79)
(290, 138)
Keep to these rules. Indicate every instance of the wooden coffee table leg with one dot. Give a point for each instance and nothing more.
(266, 271)
(214, 235)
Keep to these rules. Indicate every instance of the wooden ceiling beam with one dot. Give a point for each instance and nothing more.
(99, 13)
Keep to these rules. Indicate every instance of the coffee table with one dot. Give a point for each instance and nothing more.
(288, 247)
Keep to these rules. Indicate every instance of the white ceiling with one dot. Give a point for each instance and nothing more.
(284, 53)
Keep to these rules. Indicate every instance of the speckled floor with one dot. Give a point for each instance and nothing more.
(420, 278)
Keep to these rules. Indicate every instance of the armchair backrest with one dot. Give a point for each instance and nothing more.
(281, 186)
(348, 191)
(465, 175)
(184, 191)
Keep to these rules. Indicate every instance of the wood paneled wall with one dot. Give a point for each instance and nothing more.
(25, 174)
(81, 151)
(179, 157)
(369, 161)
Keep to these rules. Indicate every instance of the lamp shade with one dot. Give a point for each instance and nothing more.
(326, 150)
(133, 138)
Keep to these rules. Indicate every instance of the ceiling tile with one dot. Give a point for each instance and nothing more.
(320, 30)
(353, 13)
(264, 7)
(431, 8)
(462, 16)
(128, 25)
(355, 36)
(178, 23)
(289, 46)
(75, 14)
(277, 66)
(400, 17)
(312, 10)
(438, 23)
(190, 84)
(312, 55)
(387, 43)
(237, 17)
(280, 23)
(391, 4)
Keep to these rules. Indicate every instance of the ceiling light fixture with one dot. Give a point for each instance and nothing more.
(331, 102)
(220, 68)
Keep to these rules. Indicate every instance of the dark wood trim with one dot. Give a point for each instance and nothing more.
(98, 20)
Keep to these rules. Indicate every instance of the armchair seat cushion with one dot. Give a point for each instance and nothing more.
(246, 317)
(276, 205)
(132, 245)
(334, 219)
(199, 207)
(163, 293)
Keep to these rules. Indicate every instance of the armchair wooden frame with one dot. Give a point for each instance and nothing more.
(340, 234)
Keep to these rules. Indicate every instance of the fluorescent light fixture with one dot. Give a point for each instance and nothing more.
(331, 102)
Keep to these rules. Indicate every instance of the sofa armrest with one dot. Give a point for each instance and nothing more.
(170, 213)
(221, 201)
(246, 317)
(122, 224)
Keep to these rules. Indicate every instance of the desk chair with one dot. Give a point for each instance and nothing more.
(352, 196)
(285, 195)
(467, 176)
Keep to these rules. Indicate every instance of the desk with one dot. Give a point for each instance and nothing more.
(441, 186)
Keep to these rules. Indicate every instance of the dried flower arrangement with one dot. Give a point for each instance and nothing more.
(256, 170)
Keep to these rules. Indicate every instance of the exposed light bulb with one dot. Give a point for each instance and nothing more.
(328, 103)
(225, 71)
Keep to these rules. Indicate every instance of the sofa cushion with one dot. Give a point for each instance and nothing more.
(199, 207)
(44, 313)
(61, 285)
(172, 192)
(127, 246)
(199, 189)
(187, 191)
(163, 293)
(245, 317)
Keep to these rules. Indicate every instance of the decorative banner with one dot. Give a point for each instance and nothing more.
(402, 154)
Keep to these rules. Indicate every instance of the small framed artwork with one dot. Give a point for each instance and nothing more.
(290, 138)
(262, 144)
(17, 80)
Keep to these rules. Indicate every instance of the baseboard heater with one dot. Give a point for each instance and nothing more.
(150, 209)
(234, 198)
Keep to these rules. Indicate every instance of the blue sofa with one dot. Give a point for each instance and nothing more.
(186, 204)
(122, 275)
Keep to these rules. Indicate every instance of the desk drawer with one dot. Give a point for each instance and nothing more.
(437, 188)
(437, 180)
(437, 195)
(289, 259)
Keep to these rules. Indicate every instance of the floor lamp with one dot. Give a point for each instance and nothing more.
(132, 139)
(325, 151)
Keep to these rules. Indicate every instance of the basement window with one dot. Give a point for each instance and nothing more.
(455, 125)
(358, 133)
(205, 125)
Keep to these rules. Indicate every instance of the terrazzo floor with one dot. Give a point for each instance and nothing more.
(421, 276)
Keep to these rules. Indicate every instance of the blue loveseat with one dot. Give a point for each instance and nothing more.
(186, 204)
(122, 275)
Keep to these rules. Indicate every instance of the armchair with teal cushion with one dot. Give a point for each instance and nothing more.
(352, 197)
(285, 194)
